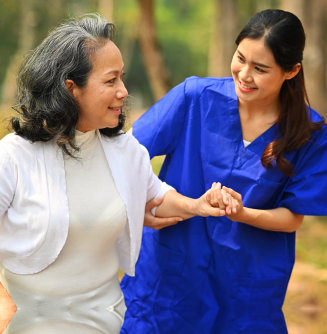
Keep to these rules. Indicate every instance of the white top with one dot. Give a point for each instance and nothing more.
(34, 212)
(246, 143)
(97, 217)
(86, 270)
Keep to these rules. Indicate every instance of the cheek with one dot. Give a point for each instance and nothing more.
(235, 68)
(270, 84)
(106, 95)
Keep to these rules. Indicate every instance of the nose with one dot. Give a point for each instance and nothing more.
(245, 74)
(122, 92)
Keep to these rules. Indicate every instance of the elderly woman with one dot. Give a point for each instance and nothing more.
(73, 186)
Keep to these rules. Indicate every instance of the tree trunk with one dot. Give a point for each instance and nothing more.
(312, 13)
(25, 43)
(222, 45)
(157, 72)
(315, 52)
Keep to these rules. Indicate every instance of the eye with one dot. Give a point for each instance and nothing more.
(241, 59)
(111, 81)
(259, 69)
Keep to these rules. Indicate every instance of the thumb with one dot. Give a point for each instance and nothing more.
(154, 202)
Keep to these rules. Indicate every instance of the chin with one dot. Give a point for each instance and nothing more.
(111, 125)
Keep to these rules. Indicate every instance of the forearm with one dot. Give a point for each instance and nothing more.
(175, 204)
(280, 219)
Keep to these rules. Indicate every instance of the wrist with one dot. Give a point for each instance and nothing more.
(191, 208)
(242, 216)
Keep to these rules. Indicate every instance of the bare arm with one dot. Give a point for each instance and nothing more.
(174, 207)
(154, 222)
(279, 219)
(175, 204)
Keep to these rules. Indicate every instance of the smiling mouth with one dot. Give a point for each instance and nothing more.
(245, 89)
(116, 110)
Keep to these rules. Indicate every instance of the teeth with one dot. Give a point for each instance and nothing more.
(246, 87)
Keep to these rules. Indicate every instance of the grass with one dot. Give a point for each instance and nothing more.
(312, 242)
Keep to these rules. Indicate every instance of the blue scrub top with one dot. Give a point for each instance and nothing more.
(212, 275)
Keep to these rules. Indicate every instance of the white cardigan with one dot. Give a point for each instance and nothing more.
(34, 214)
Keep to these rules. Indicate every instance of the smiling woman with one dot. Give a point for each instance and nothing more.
(258, 81)
(102, 98)
(254, 132)
(76, 217)
(257, 76)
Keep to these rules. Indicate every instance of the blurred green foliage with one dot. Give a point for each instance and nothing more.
(311, 246)
(9, 30)
(184, 30)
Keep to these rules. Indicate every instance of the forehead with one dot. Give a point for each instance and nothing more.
(107, 57)
(256, 50)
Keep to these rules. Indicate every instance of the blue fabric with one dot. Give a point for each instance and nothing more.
(212, 275)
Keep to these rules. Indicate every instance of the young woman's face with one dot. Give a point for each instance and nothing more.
(102, 98)
(257, 76)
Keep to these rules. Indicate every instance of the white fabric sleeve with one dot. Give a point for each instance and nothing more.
(8, 180)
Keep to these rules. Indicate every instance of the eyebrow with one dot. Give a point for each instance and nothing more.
(255, 63)
(115, 72)
(112, 72)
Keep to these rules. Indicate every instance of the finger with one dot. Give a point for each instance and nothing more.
(209, 197)
(154, 202)
(215, 212)
(159, 223)
(230, 204)
(225, 197)
(213, 195)
(234, 193)
(235, 205)
(227, 202)
(219, 196)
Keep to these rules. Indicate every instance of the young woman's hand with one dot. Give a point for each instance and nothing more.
(157, 223)
(219, 197)
(236, 198)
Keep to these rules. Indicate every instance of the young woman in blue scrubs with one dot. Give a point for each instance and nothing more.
(256, 133)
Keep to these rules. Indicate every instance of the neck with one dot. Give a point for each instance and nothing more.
(259, 110)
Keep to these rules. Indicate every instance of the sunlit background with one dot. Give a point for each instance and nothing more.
(162, 43)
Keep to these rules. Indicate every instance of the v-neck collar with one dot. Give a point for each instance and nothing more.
(257, 146)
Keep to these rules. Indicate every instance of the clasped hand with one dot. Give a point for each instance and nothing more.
(227, 201)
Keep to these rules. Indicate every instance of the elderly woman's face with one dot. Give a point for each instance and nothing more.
(102, 98)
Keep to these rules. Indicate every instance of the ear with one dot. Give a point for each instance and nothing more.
(70, 85)
(293, 72)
